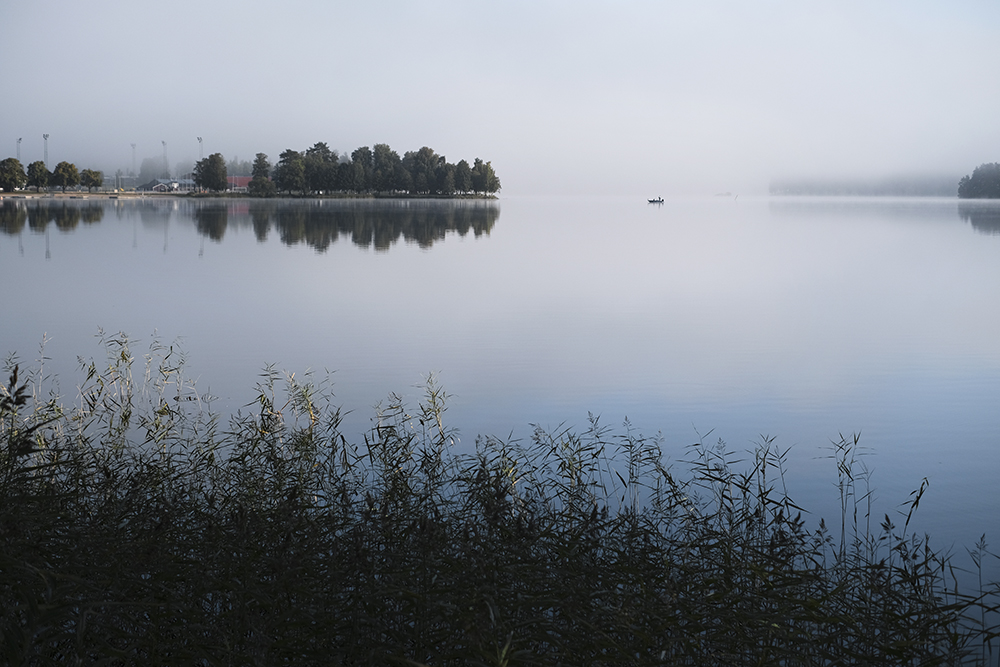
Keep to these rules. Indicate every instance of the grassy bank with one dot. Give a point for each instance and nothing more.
(139, 529)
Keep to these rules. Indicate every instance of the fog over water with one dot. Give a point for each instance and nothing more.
(639, 98)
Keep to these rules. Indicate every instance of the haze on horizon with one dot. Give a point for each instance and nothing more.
(635, 98)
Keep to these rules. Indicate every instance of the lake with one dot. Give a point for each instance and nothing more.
(716, 318)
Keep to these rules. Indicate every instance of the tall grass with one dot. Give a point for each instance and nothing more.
(137, 528)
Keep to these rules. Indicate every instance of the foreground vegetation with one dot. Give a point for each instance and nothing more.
(138, 528)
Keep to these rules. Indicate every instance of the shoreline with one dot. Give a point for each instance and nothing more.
(225, 195)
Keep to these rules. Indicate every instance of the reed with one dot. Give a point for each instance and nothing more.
(138, 528)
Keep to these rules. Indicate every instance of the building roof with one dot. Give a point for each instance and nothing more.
(167, 183)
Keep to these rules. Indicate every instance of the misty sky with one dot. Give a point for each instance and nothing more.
(646, 97)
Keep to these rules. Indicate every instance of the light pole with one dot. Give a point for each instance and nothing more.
(201, 149)
(19, 149)
(46, 154)
(133, 161)
(166, 163)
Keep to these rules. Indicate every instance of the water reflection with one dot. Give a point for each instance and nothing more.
(66, 215)
(853, 208)
(984, 216)
(211, 221)
(368, 224)
(12, 218)
(374, 224)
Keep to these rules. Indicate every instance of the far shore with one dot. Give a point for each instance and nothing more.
(225, 195)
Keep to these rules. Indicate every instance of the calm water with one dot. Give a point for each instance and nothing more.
(795, 318)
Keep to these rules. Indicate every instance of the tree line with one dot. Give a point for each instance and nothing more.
(320, 170)
(316, 170)
(984, 183)
(13, 176)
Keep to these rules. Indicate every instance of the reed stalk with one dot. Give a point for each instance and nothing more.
(137, 528)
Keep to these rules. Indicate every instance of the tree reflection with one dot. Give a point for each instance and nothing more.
(291, 224)
(368, 223)
(38, 214)
(261, 217)
(983, 216)
(211, 220)
(91, 214)
(67, 218)
(12, 218)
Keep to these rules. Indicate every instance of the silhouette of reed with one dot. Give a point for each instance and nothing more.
(138, 528)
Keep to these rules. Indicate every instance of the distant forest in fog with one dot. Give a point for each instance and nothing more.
(984, 183)
(896, 186)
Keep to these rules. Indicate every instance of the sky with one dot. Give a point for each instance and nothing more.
(643, 97)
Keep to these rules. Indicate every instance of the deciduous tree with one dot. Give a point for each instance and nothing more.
(363, 162)
(38, 175)
(261, 166)
(261, 185)
(422, 164)
(463, 176)
(65, 175)
(478, 176)
(210, 173)
(290, 174)
(445, 177)
(492, 181)
(385, 162)
(320, 166)
(91, 179)
(484, 179)
(12, 176)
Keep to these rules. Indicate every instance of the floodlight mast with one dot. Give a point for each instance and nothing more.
(19, 149)
(133, 161)
(45, 160)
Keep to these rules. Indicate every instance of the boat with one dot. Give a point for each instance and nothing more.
(658, 200)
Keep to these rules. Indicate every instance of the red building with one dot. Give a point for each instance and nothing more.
(238, 183)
